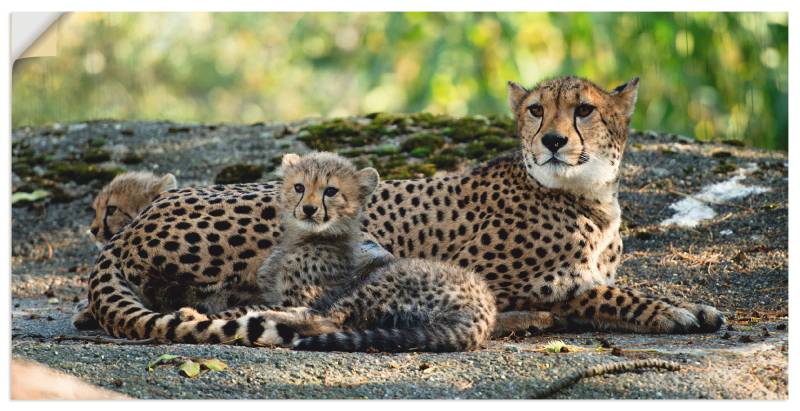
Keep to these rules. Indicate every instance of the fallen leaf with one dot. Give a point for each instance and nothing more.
(554, 346)
(162, 359)
(34, 196)
(213, 364)
(190, 369)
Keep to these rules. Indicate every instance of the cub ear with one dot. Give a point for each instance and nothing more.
(368, 179)
(625, 95)
(289, 160)
(167, 182)
(516, 94)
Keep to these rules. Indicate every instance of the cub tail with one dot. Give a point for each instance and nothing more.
(392, 340)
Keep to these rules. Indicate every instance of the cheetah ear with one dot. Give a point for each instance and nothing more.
(167, 182)
(516, 94)
(625, 96)
(368, 179)
(289, 160)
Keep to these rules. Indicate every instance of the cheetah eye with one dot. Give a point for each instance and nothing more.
(111, 210)
(331, 191)
(584, 110)
(299, 188)
(536, 110)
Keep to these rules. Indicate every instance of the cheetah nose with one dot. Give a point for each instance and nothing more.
(309, 210)
(554, 142)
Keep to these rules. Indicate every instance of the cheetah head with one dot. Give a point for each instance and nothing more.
(573, 132)
(122, 199)
(324, 193)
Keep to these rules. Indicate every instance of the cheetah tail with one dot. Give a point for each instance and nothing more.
(121, 313)
(388, 340)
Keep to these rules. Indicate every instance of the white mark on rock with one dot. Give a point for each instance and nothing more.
(692, 210)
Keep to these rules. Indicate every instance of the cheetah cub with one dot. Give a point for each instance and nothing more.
(318, 256)
(122, 199)
(115, 206)
(395, 305)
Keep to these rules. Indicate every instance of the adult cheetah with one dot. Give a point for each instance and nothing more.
(541, 226)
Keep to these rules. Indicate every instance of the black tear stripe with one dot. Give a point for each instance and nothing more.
(294, 210)
(575, 126)
(541, 122)
(106, 232)
(324, 208)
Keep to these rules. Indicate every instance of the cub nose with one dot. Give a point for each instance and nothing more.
(554, 142)
(309, 210)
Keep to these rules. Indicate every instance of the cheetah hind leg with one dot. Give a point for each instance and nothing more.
(510, 323)
(616, 308)
(83, 319)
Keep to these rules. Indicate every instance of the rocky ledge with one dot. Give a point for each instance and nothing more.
(701, 221)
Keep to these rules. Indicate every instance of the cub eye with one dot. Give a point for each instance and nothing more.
(299, 188)
(331, 191)
(111, 210)
(584, 110)
(536, 110)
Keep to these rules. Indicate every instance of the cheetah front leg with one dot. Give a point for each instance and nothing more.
(608, 307)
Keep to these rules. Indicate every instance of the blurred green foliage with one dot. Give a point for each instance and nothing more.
(712, 75)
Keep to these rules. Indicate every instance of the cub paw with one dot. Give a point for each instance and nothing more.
(190, 314)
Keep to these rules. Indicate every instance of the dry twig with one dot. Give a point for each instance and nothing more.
(104, 340)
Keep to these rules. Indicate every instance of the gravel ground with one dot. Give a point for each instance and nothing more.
(736, 261)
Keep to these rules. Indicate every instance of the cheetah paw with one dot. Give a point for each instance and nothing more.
(674, 320)
(709, 318)
(190, 314)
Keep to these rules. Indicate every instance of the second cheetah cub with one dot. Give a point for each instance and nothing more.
(399, 305)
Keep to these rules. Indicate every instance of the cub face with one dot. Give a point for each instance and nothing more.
(572, 131)
(323, 192)
(122, 199)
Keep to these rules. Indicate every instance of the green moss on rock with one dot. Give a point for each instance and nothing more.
(335, 134)
(132, 158)
(430, 141)
(81, 172)
(97, 142)
(445, 161)
(239, 173)
(95, 155)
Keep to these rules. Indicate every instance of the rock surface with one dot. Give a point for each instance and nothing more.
(736, 260)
